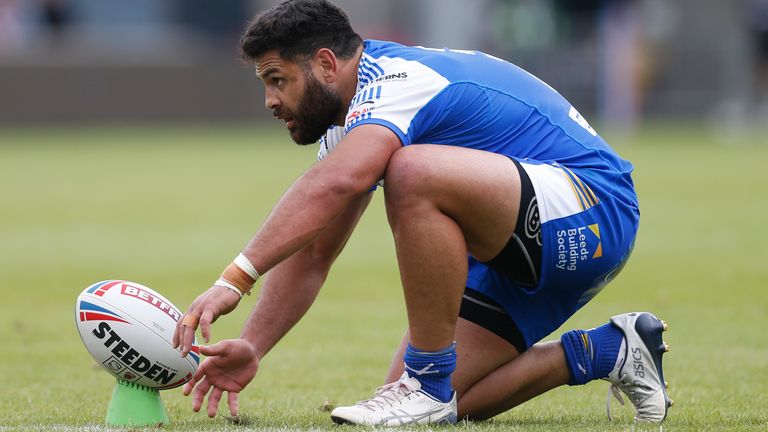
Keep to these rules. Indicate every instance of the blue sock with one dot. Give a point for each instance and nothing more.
(591, 354)
(433, 370)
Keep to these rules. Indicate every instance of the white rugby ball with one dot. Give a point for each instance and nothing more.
(128, 328)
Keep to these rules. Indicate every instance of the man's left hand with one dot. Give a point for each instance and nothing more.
(230, 366)
(204, 311)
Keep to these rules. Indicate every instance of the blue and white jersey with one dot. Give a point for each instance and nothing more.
(587, 206)
(474, 100)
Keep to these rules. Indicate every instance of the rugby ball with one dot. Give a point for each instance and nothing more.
(128, 329)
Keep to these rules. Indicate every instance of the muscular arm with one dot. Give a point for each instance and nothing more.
(301, 237)
(288, 292)
(321, 194)
(292, 286)
(307, 209)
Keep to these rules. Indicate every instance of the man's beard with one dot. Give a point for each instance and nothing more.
(318, 109)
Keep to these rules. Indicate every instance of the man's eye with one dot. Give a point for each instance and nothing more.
(278, 81)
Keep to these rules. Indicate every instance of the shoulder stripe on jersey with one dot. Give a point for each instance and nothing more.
(369, 94)
(366, 75)
(367, 71)
(374, 65)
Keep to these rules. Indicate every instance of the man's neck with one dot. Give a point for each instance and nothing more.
(348, 87)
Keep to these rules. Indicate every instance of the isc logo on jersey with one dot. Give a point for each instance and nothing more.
(361, 110)
(128, 329)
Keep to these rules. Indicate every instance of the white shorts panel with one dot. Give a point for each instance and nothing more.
(559, 192)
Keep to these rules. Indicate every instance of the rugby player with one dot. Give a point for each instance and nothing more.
(509, 213)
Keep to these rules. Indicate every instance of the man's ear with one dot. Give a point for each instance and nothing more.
(328, 64)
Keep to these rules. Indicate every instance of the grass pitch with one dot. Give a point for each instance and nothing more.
(169, 208)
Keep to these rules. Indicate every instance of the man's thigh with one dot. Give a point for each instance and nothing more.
(479, 352)
(479, 190)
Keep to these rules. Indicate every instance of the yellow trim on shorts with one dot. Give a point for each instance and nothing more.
(575, 192)
(589, 197)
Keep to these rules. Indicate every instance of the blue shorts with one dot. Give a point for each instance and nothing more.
(586, 238)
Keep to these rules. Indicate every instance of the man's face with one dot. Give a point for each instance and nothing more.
(293, 94)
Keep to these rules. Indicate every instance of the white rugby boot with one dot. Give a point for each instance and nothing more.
(399, 403)
(638, 373)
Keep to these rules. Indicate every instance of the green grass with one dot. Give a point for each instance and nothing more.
(170, 207)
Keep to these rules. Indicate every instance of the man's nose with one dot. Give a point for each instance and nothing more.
(271, 101)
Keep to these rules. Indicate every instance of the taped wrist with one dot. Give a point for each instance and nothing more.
(240, 275)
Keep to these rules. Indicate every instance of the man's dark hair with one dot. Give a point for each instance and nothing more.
(296, 29)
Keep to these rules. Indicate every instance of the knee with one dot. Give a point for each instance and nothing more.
(406, 178)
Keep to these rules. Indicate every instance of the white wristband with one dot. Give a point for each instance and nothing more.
(245, 265)
(224, 283)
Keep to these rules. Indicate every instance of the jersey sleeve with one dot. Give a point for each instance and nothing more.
(328, 142)
(395, 98)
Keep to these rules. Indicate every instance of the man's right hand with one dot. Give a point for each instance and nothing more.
(204, 311)
(230, 366)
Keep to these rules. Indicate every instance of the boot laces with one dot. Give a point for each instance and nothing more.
(390, 394)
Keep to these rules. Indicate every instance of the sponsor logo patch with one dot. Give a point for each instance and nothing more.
(362, 105)
(361, 110)
(400, 76)
(576, 245)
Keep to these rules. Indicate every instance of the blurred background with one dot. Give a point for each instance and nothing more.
(621, 62)
(134, 145)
